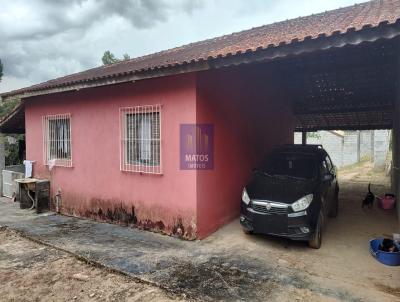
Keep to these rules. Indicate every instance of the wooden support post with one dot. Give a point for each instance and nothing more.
(393, 164)
(396, 153)
(358, 146)
(304, 138)
(372, 146)
(396, 142)
(2, 161)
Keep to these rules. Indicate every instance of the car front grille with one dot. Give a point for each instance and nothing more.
(272, 211)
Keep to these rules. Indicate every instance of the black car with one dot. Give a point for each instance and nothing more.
(291, 194)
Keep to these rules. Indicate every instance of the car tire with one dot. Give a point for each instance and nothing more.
(316, 238)
(247, 232)
(335, 209)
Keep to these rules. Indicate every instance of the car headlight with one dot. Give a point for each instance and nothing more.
(302, 203)
(245, 196)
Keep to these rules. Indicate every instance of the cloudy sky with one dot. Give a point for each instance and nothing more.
(44, 39)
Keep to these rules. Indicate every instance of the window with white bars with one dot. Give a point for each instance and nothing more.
(57, 139)
(141, 139)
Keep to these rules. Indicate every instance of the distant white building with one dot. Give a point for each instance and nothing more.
(347, 148)
(332, 141)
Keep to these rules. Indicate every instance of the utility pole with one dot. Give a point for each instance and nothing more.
(358, 145)
(396, 140)
(372, 145)
(304, 137)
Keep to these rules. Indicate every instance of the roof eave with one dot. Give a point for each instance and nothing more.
(384, 30)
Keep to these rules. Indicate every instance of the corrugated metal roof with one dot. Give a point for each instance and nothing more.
(342, 20)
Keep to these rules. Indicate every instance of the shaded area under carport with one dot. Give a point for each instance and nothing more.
(353, 87)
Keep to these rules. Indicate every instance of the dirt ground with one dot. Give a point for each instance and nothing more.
(363, 172)
(33, 272)
(227, 266)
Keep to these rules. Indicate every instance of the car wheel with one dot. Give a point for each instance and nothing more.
(316, 239)
(335, 209)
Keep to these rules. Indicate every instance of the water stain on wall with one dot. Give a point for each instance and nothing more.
(117, 212)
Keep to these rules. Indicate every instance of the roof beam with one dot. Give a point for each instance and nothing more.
(345, 127)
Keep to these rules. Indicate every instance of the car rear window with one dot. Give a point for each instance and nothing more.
(297, 165)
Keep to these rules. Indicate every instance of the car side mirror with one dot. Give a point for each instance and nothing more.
(327, 177)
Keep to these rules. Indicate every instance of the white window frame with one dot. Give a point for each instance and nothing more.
(48, 141)
(129, 139)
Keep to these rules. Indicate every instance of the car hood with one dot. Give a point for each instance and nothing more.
(279, 189)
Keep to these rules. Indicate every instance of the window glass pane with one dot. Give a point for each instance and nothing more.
(329, 163)
(291, 164)
(143, 138)
(59, 143)
(324, 168)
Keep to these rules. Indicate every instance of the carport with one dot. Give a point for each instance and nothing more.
(341, 82)
(341, 86)
(352, 87)
(337, 81)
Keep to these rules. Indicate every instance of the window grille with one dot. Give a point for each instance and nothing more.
(141, 139)
(57, 139)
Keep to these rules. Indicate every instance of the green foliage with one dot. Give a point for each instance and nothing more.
(7, 106)
(313, 135)
(109, 58)
(12, 151)
(1, 70)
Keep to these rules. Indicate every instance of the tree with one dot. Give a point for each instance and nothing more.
(1, 70)
(109, 58)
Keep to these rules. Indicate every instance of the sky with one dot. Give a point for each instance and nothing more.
(44, 39)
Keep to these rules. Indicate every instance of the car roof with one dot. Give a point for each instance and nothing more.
(298, 148)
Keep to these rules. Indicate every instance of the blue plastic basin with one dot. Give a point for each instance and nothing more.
(388, 258)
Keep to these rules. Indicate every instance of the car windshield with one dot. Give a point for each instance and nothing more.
(296, 165)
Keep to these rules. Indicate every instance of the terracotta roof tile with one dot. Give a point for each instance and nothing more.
(369, 14)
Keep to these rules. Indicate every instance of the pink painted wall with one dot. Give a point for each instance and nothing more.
(95, 181)
(251, 114)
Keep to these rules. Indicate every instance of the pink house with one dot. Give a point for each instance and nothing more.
(112, 139)
(88, 131)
